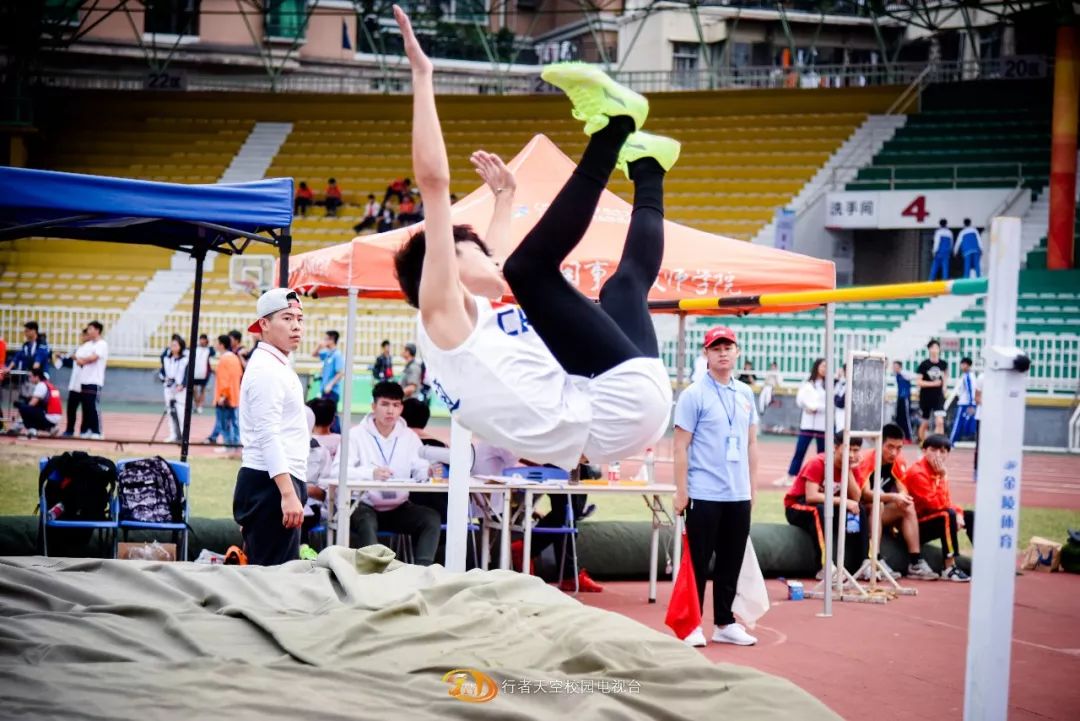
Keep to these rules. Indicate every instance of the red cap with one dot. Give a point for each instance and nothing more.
(720, 332)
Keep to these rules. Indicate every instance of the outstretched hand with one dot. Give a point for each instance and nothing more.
(418, 59)
(493, 170)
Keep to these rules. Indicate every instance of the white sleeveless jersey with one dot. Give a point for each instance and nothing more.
(503, 384)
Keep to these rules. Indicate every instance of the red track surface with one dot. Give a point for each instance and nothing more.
(903, 660)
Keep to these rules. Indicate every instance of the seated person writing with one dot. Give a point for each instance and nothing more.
(898, 508)
(928, 485)
(804, 503)
(382, 448)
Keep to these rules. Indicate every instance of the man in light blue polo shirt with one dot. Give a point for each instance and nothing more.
(715, 477)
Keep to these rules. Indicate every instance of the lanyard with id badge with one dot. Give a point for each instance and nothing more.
(733, 454)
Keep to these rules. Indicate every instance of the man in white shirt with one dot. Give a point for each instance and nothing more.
(384, 448)
(268, 502)
(91, 358)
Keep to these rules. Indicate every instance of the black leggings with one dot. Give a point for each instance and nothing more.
(718, 528)
(74, 400)
(587, 339)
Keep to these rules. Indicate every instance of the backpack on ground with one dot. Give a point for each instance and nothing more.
(150, 492)
(82, 493)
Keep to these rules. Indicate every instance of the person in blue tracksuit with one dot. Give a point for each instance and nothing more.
(942, 253)
(969, 246)
(965, 423)
(903, 400)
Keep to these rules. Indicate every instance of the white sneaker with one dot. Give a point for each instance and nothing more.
(863, 574)
(696, 639)
(31, 433)
(198, 410)
(733, 633)
(94, 436)
(953, 573)
(171, 439)
(921, 571)
(886, 568)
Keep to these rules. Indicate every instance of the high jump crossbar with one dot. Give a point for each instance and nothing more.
(925, 289)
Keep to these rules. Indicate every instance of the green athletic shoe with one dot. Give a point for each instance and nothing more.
(595, 96)
(646, 145)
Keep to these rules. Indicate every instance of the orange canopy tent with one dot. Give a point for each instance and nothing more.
(696, 263)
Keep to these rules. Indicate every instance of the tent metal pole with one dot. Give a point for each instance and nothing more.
(680, 355)
(830, 469)
(284, 248)
(344, 497)
(199, 253)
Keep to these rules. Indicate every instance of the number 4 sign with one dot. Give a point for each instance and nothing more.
(916, 209)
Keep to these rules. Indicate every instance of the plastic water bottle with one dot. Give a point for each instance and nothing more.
(650, 466)
(852, 522)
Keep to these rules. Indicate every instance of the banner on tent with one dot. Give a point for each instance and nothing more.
(911, 209)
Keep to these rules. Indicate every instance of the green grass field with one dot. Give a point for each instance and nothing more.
(212, 489)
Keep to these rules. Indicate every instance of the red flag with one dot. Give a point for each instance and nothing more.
(684, 609)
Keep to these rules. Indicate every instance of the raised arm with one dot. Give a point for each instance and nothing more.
(501, 180)
(441, 293)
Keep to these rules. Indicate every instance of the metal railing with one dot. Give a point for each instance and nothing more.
(1055, 358)
(954, 178)
(369, 78)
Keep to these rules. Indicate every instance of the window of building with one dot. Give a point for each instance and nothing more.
(172, 17)
(285, 18)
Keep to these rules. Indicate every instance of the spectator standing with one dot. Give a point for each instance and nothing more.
(91, 357)
(804, 503)
(939, 517)
(371, 215)
(903, 399)
(383, 368)
(964, 424)
(203, 354)
(715, 478)
(381, 448)
(34, 353)
(44, 411)
(412, 376)
(811, 399)
(268, 501)
(840, 397)
(227, 397)
(942, 251)
(304, 199)
(236, 345)
(333, 366)
(898, 508)
(747, 376)
(333, 198)
(933, 374)
(773, 382)
(969, 246)
(74, 398)
(175, 366)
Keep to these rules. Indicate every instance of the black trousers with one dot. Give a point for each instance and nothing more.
(942, 525)
(812, 520)
(420, 523)
(257, 508)
(74, 400)
(34, 416)
(588, 339)
(720, 529)
(91, 418)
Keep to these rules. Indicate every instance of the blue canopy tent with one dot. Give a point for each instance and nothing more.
(195, 219)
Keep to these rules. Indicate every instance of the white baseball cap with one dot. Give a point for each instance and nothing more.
(272, 301)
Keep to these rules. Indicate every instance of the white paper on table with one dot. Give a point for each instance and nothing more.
(751, 597)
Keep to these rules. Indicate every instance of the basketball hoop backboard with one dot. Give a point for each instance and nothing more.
(251, 274)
